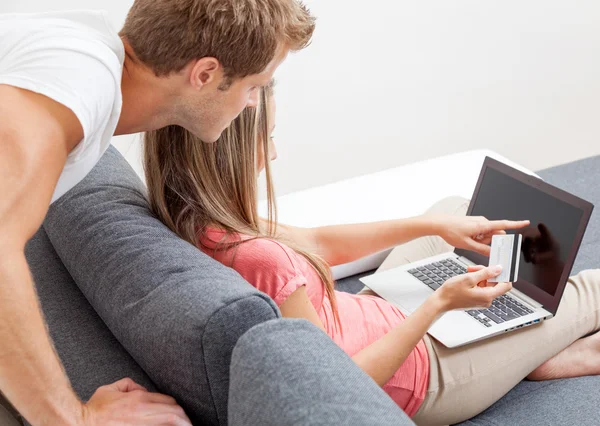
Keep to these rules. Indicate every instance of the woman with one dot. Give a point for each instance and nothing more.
(207, 193)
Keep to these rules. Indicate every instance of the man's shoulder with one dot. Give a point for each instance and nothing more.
(76, 31)
(95, 20)
(75, 59)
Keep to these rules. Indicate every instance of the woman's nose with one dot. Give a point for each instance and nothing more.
(272, 150)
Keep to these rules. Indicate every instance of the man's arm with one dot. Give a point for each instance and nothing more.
(33, 150)
(36, 135)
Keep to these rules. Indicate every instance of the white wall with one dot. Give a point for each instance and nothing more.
(391, 82)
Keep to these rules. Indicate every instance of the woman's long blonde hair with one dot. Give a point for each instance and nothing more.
(194, 185)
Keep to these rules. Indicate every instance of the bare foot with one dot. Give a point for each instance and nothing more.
(582, 358)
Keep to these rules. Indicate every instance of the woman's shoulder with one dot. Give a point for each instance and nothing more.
(269, 265)
(267, 252)
(254, 252)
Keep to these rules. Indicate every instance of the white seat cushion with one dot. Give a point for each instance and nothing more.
(391, 194)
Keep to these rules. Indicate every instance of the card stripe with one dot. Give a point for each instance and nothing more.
(515, 256)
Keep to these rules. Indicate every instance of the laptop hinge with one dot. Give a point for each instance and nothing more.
(520, 295)
(465, 261)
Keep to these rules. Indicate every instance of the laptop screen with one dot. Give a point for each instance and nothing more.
(551, 241)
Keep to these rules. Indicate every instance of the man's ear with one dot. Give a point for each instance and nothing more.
(205, 71)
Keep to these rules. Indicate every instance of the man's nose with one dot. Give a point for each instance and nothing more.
(253, 99)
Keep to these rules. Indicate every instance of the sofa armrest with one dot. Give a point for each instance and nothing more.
(178, 312)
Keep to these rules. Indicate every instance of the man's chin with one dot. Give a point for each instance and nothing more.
(207, 138)
(212, 138)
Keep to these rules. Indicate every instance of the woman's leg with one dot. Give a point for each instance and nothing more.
(465, 381)
(578, 359)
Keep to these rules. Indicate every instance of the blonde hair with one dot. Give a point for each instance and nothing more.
(243, 35)
(194, 185)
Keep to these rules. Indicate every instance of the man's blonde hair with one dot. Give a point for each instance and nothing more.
(243, 35)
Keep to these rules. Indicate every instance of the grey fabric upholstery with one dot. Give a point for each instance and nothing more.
(8, 415)
(177, 312)
(90, 353)
(179, 315)
(298, 376)
(556, 402)
(582, 178)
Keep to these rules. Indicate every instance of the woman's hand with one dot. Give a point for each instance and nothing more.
(473, 232)
(471, 290)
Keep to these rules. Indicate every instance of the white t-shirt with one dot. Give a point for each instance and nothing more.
(76, 59)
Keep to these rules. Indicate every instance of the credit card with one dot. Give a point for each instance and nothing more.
(506, 252)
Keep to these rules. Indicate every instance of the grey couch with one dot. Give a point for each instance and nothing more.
(123, 296)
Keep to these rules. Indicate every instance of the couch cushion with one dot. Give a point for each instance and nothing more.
(555, 402)
(389, 194)
(266, 389)
(8, 415)
(582, 178)
(176, 311)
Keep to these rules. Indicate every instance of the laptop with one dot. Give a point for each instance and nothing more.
(548, 250)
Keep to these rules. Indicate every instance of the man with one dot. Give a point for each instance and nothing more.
(67, 84)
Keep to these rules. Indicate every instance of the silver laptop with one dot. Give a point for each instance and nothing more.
(548, 250)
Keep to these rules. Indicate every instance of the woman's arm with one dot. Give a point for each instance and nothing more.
(298, 305)
(382, 358)
(339, 244)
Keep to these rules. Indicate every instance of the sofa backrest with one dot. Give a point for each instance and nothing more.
(176, 311)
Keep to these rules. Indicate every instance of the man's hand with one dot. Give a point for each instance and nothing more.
(125, 403)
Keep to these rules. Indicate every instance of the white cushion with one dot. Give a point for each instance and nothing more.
(395, 193)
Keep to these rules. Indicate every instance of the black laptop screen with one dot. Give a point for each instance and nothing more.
(547, 242)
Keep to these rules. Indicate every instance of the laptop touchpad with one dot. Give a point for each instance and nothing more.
(399, 287)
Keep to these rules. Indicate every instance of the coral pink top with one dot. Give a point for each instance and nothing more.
(278, 271)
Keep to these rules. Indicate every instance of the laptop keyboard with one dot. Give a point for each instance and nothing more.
(504, 308)
(437, 273)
